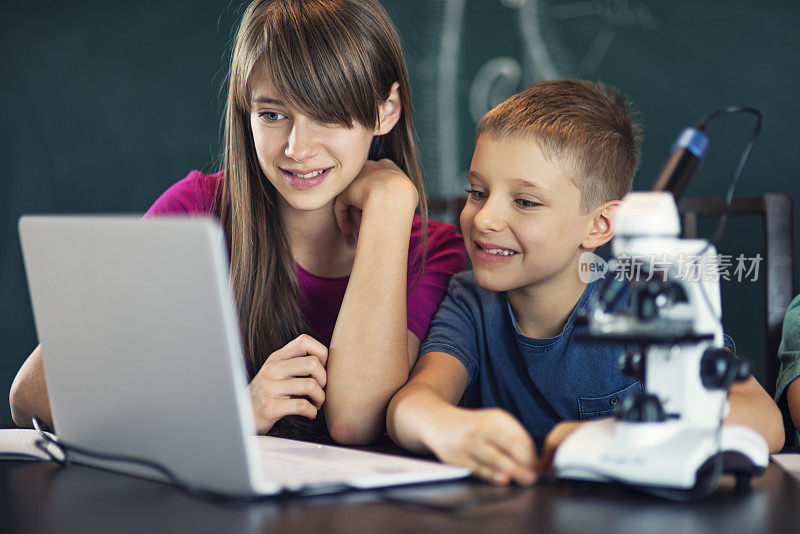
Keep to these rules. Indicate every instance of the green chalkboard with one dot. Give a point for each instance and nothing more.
(105, 104)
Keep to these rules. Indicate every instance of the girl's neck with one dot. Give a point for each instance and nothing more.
(315, 241)
(542, 310)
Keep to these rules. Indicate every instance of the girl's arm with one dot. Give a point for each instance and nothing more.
(371, 347)
(28, 396)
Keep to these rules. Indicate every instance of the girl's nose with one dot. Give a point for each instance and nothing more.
(302, 143)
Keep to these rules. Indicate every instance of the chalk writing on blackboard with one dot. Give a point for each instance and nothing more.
(550, 50)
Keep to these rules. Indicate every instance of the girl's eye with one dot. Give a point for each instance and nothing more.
(476, 195)
(271, 116)
(526, 204)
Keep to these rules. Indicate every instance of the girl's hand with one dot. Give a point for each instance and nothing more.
(379, 180)
(291, 382)
(489, 441)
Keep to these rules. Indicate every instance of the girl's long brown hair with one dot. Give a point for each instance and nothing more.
(336, 61)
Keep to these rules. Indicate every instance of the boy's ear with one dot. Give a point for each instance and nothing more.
(601, 225)
(389, 111)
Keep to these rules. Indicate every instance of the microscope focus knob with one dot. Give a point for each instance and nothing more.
(719, 368)
(632, 364)
(641, 407)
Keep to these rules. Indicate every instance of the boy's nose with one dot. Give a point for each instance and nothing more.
(302, 143)
(488, 219)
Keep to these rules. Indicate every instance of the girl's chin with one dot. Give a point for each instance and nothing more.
(309, 203)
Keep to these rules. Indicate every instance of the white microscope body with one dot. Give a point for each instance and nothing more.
(676, 320)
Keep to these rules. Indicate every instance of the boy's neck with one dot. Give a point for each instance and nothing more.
(316, 243)
(542, 311)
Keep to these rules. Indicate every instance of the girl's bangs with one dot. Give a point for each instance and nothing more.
(318, 62)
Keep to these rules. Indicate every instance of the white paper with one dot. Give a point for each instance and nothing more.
(790, 461)
(14, 441)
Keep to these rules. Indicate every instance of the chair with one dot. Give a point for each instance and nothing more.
(776, 210)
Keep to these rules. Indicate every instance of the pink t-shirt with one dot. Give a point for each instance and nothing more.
(320, 297)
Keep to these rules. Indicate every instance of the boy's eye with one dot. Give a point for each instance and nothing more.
(271, 116)
(476, 195)
(526, 204)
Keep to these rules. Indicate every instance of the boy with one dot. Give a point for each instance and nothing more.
(787, 392)
(549, 168)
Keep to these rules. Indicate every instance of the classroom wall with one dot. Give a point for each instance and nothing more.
(103, 105)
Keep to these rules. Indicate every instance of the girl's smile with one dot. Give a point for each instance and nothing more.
(305, 179)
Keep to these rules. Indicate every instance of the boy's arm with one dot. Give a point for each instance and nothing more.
(751, 406)
(435, 386)
(423, 417)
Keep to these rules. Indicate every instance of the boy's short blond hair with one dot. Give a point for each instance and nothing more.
(585, 128)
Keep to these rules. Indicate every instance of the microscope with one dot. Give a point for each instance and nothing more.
(662, 297)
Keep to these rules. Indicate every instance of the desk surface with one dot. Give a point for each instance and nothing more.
(41, 497)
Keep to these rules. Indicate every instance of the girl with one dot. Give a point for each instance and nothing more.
(334, 276)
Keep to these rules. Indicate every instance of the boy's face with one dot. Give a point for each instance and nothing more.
(522, 223)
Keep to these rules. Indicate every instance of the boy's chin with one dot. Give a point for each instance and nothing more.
(492, 281)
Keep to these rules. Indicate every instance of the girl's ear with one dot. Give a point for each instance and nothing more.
(601, 225)
(389, 111)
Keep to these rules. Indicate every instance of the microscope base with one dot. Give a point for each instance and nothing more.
(669, 454)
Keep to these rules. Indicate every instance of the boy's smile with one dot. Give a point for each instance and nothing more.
(522, 224)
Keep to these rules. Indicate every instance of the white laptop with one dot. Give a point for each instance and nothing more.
(142, 357)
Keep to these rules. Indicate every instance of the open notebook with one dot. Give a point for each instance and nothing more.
(20, 443)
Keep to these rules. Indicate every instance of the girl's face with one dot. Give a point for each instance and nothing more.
(309, 162)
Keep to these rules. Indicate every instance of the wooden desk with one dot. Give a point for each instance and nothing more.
(40, 497)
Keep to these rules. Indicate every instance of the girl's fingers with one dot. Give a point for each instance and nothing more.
(299, 367)
(340, 211)
(301, 387)
(284, 407)
(302, 345)
(355, 219)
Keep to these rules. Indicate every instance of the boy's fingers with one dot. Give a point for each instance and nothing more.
(516, 442)
(503, 466)
(556, 436)
(488, 474)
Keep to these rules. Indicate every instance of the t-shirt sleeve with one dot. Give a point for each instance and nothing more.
(445, 257)
(455, 327)
(789, 350)
(194, 195)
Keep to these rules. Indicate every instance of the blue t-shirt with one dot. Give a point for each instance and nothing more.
(539, 381)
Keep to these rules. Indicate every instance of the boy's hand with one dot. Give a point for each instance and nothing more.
(489, 441)
(554, 438)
